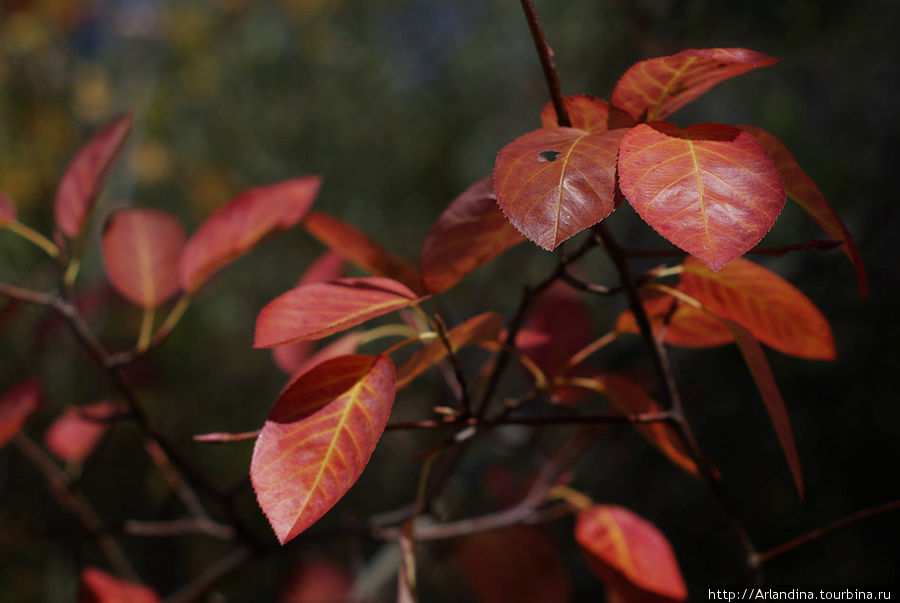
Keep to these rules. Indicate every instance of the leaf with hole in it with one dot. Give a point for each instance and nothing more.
(553, 183)
(658, 87)
(587, 113)
(141, 251)
(360, 250)
(709, 189)
(7, 210)
(629, 554)
(238, 226)
(15, 406)
(321, 309)
(318, 438)
(801, 188)
(484, 327)
(685, 326)
(470, 233)
(75, 433)
(81, 184)
(99, 587)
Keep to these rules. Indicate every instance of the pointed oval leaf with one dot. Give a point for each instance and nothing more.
(99, 587)
(661, 86)
(83, 179)
(629, 553)
(711, 191)
(564, 318)
(317, 310)
(804, 191)
(15, 406)
(141, 250)
(7, 210)
(342, 346)
(238, 226)
(687, 326)
(553, 183)
(360, 250)
(318, 438)
(470, 233)
(588, 113)
(317, 581)
(74, 435)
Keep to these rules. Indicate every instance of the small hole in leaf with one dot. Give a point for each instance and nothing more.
(545, 156)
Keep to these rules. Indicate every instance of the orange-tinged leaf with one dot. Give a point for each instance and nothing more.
(74, 435)
(141, 250)
(238, 226)
(470, 233)
(318, 438)
(661, 86)
(553, 183)
(99, 587)
(81, 184)
(15, 406)
(342, 346)
(484, 327)
(804, 191)
(358, 249)
(711, 190)
(629, 554)
(688, 326)
(7, 210)
(321, 309)
(588, 113)
(317, 581)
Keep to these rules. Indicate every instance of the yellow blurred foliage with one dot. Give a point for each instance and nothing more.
(92, 94)
(150, 162)
(209, 187)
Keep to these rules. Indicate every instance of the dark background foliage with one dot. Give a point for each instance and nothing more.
(401, 105)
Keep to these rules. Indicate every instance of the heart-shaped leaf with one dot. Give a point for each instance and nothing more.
(660, 86)
(141, 251)
(83, 179)
(7, 210)
(710, 189)
(318, 439)
(553, 183)
(74, 435)
(15, 406)
(99, 587)
(587, 113)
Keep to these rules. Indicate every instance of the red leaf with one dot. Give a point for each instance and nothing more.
(7, 210)
(663, 85)
(342, 346)
(314, 311)
(15, 406)
(81, 184)
(629, 554)
(553, 183)
(483, 327)
(470, 233)
(141, 250)
(99, 587)
(238, 226)
(804, 191)
(588, 113)
(562, 315)
(688, 326)
(317, 581)
(711, 191)
(360, 250)
(318, 439)
(74, 435)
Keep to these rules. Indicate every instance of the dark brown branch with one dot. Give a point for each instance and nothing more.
(210, 577)
(178, 527)
(598, 419)
(465, 401)
(812, 245)
(548, 64)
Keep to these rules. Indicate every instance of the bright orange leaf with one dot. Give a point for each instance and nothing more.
(7, 210)
(687, 326)
(81, 184)
(74, 435)
(661, 86)
(588, 113)
(99, 587)
(15, 406)
(318, 439)
(709, 189)
(238, 226)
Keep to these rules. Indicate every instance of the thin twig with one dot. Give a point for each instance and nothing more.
(465, 401)
(812, 245)
(178, 527)
(211, 576)
(611, 418)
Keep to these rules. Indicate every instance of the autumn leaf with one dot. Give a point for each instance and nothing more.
(99, 587)
(344, 345)
(658, 87)
(709, 189)
(587, 113)
(561, 315)
(316, 581)
(687, 326)
(15, 406)
(318, 439)
(75, 433)
(7, 210)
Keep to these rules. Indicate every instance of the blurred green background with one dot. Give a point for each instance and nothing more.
(401, 105)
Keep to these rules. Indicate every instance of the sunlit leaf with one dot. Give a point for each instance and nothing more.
(81, 184)
(687, 326)
(629, 554)
(660, 86)
(471, 232)
(553, 183)
(804, 191)
(238, 226)
(317, 310)
(318, 438)
(7, 210)
(141, 251)
(588, 113)
(99, 587)
(15, 406)
(709, 189)
(74, 435)
(316, 581)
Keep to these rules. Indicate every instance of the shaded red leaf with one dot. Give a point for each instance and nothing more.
(358, 249)
(99, 587)
(141, 250)
(81, 184)
(662, 85)
(711, 191)
(317, 310)
(630, 555)
(74, 435)
(688, 326)
(15, 406)
(317, 581)
(7, 210)
(238, 226)
(553, 183)
(470, 233)
(804, 191)
(318, 439)
(562, 315)
(342, 346)
(588, 113)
